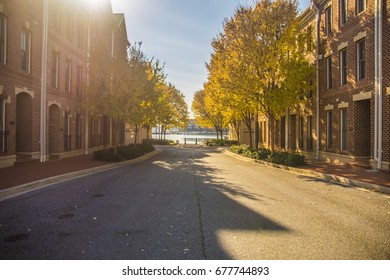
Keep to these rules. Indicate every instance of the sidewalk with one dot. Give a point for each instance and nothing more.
(35, 171)
(341, 174)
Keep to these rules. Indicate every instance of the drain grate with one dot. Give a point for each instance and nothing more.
(16, 237)
(66, 216)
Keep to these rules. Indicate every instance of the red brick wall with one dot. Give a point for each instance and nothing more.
(386, 81)
(355, 24)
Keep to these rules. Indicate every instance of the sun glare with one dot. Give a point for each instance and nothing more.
(94, 3)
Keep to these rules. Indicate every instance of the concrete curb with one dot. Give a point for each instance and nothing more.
(28, 187)
(314, 174)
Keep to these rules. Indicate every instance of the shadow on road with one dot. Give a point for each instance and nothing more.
(173, 206)
(217, 199)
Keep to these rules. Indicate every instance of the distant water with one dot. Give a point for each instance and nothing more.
(188, 138)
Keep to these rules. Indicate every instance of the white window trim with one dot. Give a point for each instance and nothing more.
(2, 128)
(364, 7)
(329, 79)
(29, 35)
(358, 60)
(342, 129)
(329, 141)
(5, 38)
(341, 66)
(346, 13)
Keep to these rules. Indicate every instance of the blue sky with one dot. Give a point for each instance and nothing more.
(179, 33)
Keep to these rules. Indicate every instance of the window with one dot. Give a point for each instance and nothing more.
(79, 79)
(283, 133)
(329, 79)
(361, 64)
(343, 66)
(67, 136)
(329, 130)
(57, 16)
(80, 41)
(69, 26)
(310, 133)
(3, 37)
(328, 20)
(277, 129)
(301, 130)
(310, 91)
(343, 12)
(78, 130)
(309, 39)
(344, 127)
(68, 75)
(3, 146)
(25, 50)
(360, 6)
(55, 69)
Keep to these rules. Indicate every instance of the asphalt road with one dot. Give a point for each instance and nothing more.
(195, 204)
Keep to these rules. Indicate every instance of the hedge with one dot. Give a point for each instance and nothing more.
(123, 152)
(284, 158)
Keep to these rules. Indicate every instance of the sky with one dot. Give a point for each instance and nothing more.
(179, 33)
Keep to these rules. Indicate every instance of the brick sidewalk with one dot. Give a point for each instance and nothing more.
(381, 178)
(33, 171)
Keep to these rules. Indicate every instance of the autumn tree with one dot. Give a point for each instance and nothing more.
(172, 108)
(107, 87)
(207, 114)
(257, 61)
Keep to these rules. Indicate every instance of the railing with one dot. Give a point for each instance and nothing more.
(3, 141)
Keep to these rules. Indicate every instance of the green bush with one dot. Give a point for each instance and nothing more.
(123, 152)
(158, 142)
(220, 142)
(261, 154)
(295, 160)
(285, 158)
(277, 157)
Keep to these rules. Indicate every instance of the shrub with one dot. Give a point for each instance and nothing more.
(289, 159)
(123, 152)
(295, 160)
(220, 142)
(158, 142)
(277, 157)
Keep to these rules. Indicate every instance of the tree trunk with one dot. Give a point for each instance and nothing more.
(135, 134)
(147, 131)
(237, 126)
(257, 130)
(248, 124)
(271, 131)
(116, 136)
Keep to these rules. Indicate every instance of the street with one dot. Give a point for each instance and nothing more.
(195, 203)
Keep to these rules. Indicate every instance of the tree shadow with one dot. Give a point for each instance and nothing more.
(171, 207)
(218, 207)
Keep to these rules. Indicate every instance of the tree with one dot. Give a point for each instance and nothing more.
(207, 113)
(107, 86)
(257, 61)
(173, 110)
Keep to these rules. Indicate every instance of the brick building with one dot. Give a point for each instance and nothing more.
(348, 121)
(44, 48)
